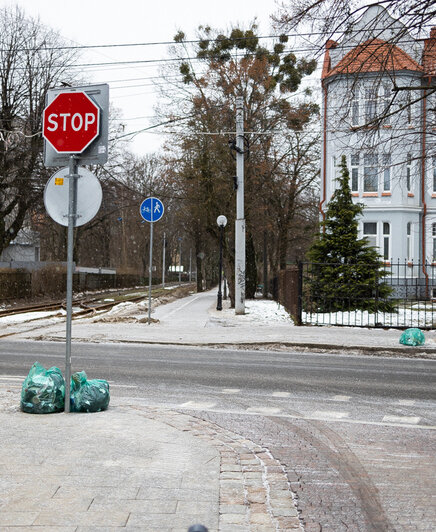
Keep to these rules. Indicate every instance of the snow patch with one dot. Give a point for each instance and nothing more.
(261, 311)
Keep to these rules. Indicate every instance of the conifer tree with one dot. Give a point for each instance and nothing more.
(347, 273)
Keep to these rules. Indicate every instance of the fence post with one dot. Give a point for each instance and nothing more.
(300, 294)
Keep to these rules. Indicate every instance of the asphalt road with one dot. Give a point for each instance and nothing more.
(150, 366)
(356, 435)
(372, 389)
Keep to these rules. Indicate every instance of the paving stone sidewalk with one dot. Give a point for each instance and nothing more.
(135, 468)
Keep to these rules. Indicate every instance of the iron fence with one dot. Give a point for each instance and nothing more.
(398, 294)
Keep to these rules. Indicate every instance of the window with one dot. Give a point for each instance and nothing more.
(386, 104)
(386, 240)
(386, 172)
(354, 160)
(409, 241)
(433, 233)
(409, 108)
(370, 104)
(370, 232)
(434, 173)
(409, 172)
(355, 108)
(370, 172)
(336, 172)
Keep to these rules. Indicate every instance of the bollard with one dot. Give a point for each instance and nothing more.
(197, 528)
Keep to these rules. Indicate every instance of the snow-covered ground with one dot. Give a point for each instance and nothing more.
(261, 311)
(30, 316)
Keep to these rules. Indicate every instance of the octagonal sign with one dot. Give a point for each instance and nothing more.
(71, 122)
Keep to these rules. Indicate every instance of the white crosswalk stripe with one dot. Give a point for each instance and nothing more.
(328, 414)
(413, 420)
(197, 405)
(264, 410)
(341, 398)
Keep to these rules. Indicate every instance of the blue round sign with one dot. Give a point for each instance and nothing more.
(151, 209)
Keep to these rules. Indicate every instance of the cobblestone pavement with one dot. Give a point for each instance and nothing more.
(136, 468)
(350, 477)
(255, 493)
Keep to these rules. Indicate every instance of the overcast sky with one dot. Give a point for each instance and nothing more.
(90, 22)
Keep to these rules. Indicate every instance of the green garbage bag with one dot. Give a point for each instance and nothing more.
(88, 395)
(412, 336)
(43, 390)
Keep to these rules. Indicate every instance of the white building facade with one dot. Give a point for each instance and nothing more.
(379, 111)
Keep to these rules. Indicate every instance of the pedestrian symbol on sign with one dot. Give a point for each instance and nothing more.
(152, 209)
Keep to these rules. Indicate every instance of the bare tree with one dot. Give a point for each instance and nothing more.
(31, 61)
(328, 18)
(202, 106)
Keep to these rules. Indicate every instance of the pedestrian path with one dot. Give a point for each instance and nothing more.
(135, 468)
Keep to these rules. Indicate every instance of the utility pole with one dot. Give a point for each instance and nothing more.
(240, 219)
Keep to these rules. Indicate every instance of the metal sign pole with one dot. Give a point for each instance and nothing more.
(151, 210)
(163, 262)
(72, 213)
(150, 271)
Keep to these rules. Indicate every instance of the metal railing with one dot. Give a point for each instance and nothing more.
(397, 294)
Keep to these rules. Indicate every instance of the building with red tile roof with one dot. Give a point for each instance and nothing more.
(379, 109)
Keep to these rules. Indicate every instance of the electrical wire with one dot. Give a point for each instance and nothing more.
(184, 42)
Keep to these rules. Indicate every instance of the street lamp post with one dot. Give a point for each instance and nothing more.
(222, 222)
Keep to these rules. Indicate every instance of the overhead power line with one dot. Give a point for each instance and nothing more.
(188, 41)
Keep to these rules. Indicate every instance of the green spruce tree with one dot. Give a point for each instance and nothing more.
(347, 273)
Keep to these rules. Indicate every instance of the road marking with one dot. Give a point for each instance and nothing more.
(230, 391)
(283, 415)
(328, 414)
(341, 398)
(197, 405)
(413, 420)
(180, 308)
(281, 394)
(123, 385)
(406, 402)
(12, 378)
(264, 410)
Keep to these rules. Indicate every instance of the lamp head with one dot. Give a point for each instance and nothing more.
(221, 220)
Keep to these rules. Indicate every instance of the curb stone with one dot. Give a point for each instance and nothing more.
(423, 352)
(255, 493)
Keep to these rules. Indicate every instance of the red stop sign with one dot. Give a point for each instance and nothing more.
(71, 122)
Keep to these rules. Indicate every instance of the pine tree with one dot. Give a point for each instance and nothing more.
(347, 273)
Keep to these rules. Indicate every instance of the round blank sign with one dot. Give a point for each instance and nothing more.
(56, 196)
